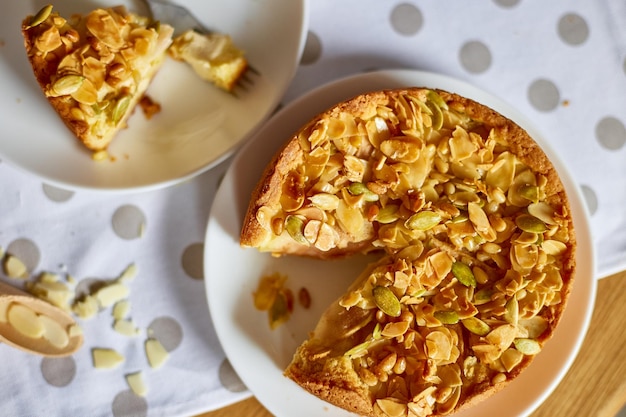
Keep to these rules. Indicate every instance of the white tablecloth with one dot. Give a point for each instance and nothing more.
(561, 63)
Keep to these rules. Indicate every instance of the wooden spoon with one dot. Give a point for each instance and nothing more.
(40, 345)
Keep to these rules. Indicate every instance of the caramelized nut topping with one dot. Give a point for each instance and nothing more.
(475, 244)
(99, 64)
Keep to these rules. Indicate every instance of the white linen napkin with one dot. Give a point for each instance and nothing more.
(562, 64)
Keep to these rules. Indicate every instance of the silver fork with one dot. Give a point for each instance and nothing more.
(181, 19)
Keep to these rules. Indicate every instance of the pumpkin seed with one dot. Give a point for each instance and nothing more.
(68, 84)
(358, 350)
(120, 108)
(386, 301)
(358, 188)
(482, 296)
(462, 217)
(279, 311)
(424, 220)
(295, 226)
(527, 346)
(377, 333)
(464, 274)
(529, 192)
(40, 17)
(447, 317)
(530, 224)
(476, 326)
(388, 214)
(434, 97)
(436, 117)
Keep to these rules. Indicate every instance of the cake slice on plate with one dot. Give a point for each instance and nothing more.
(213, 56)
(94, 68)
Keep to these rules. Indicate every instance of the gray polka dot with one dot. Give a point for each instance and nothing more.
(127, 404)
(129, 222)
(506, 3)
(475, 57)
(312, 49)
(58, 195)
(26, 251)
(590, 198)
(611, 133)
(167, 331)
(58, 372)
(406, 19)
(193, 260)
(573, 29)
(229, 379)
(543, 95)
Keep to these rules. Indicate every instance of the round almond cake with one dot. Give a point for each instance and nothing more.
(476, 246)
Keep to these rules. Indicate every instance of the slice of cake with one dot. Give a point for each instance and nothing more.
(476, 240)
(214, 57)
(94, 68)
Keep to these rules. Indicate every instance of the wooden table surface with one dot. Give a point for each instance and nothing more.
(595, 385)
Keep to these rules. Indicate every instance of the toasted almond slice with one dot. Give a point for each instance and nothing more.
(25, 321)
(54, 332)
(156, 353)
(125, 327)
(14, 267)
(106, 358)
(121, 309)
(111, 294)
(137, 384)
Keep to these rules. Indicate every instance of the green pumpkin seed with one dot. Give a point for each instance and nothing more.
(530, 224)
(40, 17)
(447, 317)
(362, 348)
(482, 296)
(434, 97)
(358, 188)
(388, 214)
(436, 117)
(295, 227)
(464, 274)
(527, 346)
(386, 301)
(68, 84)
(378, 332)
(462, 217)
(358, 350)
(279, 311)
(529, 192)
(476, 326)
(120, 108)
(423, 220)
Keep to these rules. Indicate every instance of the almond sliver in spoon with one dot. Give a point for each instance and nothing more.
(36, 326)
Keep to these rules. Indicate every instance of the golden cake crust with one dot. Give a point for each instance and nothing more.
(463, 297)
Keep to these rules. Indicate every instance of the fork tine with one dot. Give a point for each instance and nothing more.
(176, 15)
(182, 19)
(253, 70)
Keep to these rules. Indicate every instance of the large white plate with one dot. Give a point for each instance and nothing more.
(199, 125)
(232, 273)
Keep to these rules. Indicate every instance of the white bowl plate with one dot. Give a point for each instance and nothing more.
(198, 126)
(259, 355)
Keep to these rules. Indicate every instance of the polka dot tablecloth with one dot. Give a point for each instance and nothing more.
(561, 63)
